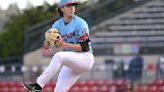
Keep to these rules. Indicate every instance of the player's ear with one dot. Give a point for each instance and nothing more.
(59, 11)
(62, 9)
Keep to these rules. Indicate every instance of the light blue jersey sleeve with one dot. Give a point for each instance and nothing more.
(83, 32)
(56, 25)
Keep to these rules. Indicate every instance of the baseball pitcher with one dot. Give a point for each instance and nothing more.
(71, 33)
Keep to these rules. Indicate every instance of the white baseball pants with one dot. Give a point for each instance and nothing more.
(72, 63)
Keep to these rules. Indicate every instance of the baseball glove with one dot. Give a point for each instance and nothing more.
(52, 35)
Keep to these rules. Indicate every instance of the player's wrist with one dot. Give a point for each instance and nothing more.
(46, 47)
(46, 44)
(64, 45)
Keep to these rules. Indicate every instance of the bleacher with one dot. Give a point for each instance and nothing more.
(142, 25)
(154, 86)
(148, 17)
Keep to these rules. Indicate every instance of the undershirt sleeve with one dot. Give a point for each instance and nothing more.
(85, 45)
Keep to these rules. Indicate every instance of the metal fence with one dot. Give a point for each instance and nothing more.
(107, 71)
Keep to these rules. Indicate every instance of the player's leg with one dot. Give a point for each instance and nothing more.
(67, 77)
(50, 71)
(45, 77)
(78, 61)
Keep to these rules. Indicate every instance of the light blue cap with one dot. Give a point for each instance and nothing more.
(67, 2)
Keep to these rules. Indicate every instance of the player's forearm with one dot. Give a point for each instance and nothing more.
(46, 44)
(76, 47)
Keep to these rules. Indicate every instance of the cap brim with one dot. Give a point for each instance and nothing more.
(73, 3)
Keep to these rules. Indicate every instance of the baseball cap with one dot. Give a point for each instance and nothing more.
(67, 2)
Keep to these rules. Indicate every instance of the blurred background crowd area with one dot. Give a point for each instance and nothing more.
(127, 38)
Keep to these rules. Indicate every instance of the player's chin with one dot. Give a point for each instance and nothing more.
(72, 14)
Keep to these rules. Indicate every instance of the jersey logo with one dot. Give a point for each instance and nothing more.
(70, 35)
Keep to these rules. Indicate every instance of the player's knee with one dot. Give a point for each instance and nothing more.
(59, 55)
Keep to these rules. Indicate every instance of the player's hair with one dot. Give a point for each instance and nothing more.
(60, 13)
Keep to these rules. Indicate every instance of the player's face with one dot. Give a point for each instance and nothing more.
(68, 11)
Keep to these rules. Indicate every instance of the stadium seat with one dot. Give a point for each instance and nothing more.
(10, 84)
(158, 82)
(152, 88)
(127, 91)
(141, 88)
(2, 84)
(80, 86)
(48, 89)
(74, 89)
(106, 88)
(80, 83)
